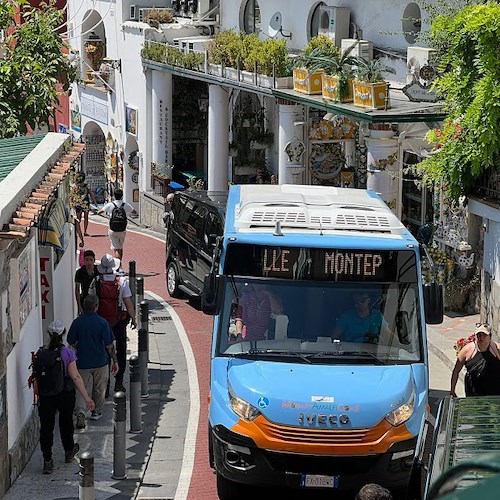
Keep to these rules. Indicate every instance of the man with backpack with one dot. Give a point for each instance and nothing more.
(116, 307)
(117, 211)
(93, 339)
(55, 377)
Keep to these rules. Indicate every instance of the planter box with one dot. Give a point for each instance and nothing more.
(307, 82)
(370, 95)
(330, 88)
(281, 82)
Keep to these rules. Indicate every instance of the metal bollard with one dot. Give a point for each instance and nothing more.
(86, 488)
(143, 361)
(131, 278)
(135, 395)
(139, 297)
(144, 315)
(119, 421)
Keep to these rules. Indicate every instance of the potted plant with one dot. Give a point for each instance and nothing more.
(156, 16)
(338, 72)
(370, 90)
(306, 70)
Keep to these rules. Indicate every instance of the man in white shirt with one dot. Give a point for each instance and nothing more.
(117, 211)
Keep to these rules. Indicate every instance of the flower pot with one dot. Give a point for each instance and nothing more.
(370, 95)
(330, 88)
(307, 82)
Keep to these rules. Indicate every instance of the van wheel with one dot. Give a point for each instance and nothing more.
(173, 281)
(226, 489)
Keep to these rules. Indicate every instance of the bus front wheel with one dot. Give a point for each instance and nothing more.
(226, 489)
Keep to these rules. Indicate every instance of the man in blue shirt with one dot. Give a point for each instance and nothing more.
(93, 339)
(361, 323)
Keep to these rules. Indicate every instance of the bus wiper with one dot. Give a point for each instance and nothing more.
(278, 352)
(366, 354)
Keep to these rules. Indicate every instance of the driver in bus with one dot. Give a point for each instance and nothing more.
(361, 323)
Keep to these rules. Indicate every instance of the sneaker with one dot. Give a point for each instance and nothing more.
(80, 421)
(70, 455)
(119, 387)
(48, 466)
(95, 415)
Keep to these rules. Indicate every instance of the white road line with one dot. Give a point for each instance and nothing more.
(194, 405)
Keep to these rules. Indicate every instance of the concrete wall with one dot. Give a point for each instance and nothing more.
(152, 210)
(490, 276)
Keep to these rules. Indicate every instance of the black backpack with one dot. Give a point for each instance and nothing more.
(118, 220)
(50, 373)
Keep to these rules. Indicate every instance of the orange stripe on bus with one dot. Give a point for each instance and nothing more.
(268, 435)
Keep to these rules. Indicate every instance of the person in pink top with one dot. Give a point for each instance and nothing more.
(254, 313)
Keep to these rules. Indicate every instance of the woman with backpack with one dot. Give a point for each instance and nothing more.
(56, 375)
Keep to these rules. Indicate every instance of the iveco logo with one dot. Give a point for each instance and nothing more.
(322, 418)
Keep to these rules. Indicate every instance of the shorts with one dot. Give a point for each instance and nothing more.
(116, 238)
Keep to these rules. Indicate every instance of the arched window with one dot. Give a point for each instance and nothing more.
(251, 17)
(315, 20)
(411, 22)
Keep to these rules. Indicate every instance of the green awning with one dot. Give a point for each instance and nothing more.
(14, 150)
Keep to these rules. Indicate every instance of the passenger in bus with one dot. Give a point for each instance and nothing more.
(254, 313)
(362, 323)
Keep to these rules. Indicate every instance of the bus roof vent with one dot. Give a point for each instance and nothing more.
(300, 208)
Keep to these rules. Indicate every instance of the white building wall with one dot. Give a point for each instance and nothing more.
(19, 395)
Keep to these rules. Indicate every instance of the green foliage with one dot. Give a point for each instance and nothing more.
(31, 68)
(467, 144)
(237, 49)
(319, 50)
(371, 71)
(155, 51)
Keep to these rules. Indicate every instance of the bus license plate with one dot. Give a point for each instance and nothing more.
(317, 481)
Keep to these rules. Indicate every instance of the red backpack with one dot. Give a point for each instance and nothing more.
(109, 300)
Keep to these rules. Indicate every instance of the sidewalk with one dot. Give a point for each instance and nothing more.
(154, 457)
(441, 338)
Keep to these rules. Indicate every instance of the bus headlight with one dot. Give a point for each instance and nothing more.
(243, 409)
(402, 413)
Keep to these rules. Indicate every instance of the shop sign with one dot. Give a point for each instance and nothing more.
(21, 288)
(95, 109)
(46, 288)
(418, 93)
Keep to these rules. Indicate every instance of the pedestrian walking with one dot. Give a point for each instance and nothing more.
(56, 375)
(80, 197)
(83, 278)
(481, 358)
(115, 305)
(92, 339)
(117, 211)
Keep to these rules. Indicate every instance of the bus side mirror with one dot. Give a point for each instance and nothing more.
(433, 303)
(213, 290)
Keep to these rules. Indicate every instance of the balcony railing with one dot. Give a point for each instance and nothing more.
(196, 60)
(488, 185)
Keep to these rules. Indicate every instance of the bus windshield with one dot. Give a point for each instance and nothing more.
(343, 321)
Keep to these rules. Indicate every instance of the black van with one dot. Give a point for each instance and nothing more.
(192, 225)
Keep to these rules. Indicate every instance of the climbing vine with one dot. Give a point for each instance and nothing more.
(468, 142)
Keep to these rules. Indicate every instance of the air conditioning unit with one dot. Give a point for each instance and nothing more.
(420, 65)
(196, 44)
(334, 22)
(143, 12)
(362, 48)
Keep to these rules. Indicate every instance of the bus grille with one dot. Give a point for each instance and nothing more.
(322, 436)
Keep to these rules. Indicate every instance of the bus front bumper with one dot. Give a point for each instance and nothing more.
(238, 459)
